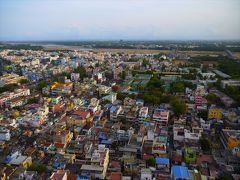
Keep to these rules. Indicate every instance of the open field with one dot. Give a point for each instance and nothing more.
(134, 51)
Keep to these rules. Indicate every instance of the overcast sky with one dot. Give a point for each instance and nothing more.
(25, 20)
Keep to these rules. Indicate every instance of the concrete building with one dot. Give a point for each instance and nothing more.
(225, 83)
(4, 134)
(160, 116)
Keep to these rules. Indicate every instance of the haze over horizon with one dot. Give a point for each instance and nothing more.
(63, 20)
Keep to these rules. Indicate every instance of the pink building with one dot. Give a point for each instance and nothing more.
(198, 100)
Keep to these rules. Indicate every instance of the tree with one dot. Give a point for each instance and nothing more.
(23, 81)
(66, 74)
(42, 84)
(108, 75)
(104, 102)
(213, 99)
(121, 96)
(38, 167)
(205, 145)
(151, 99)
(123, 75)
(123, 120)
(145, 63)
(82, 71)
(179, 107)
(151, 161)
(166, 98)
(177, 87)
(203, 115)
(155, 82)
(32, 101)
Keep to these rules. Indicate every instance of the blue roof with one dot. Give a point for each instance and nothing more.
(108, 106)
(78, 178)
(99, 127)
(56, 164)
(162, 161)
(102, 135)
(106, 142)
(113, 109)
(180, 172)
(8, 159)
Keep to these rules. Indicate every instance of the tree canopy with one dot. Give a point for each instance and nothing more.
(177, 87)
(205, 145)
(179, 107)
(213, 99)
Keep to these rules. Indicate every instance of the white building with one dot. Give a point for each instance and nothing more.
(111, 97)
(146, 174)
(4, 134)
(143, 113)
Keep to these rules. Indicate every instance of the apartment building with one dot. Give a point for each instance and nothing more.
(10, 79)
(160, 116)
(7, 96)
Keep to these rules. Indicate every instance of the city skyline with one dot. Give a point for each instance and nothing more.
(62, 20)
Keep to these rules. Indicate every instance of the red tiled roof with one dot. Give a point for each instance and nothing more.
(72, 177)
(82, 114)
(116, 176)
(58, 145)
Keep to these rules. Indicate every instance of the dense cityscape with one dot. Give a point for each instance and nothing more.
(119, 90)
(74, 112)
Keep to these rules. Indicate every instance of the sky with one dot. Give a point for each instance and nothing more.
(62, 20)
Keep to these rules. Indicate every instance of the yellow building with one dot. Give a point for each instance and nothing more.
(215, 113)
(233, 142)
(11, 78)
(27, 163)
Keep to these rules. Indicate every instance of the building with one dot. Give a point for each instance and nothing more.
(225, 83)
(163, 164)
(112, 97)
(146, 174)
(65, 175)
(4, 134)
(79, 118)
(94, 105)
(160, 116)
(221, 74)
(62, 137)
(180, 172)
(98, 164)
(143, 113)
(104, 90)
(7, 96)
(159, 145)
(117, 72)
(10, 79)
(17, 159)
(61, 88)
(114, 112)
(75, 76)
(215, 113)
(198, 100)
(17, 102)
(230, 138)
